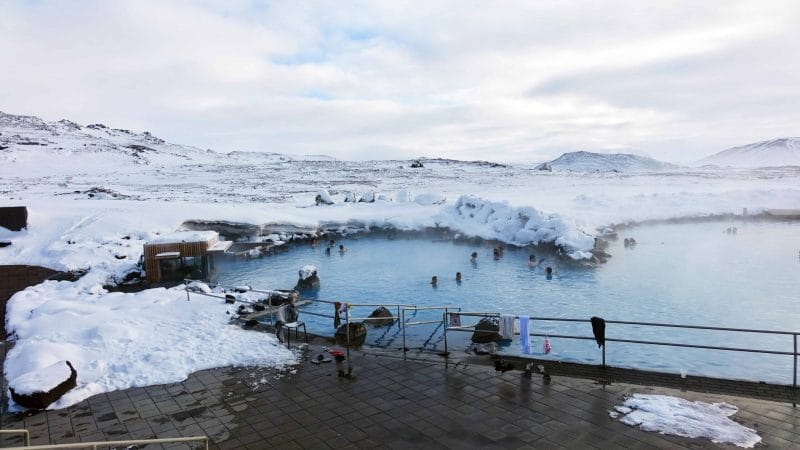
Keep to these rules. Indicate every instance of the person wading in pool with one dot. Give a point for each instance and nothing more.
(458, 277)
(548, 273)
(532, 261)
(342, 249)
(434, 281)
(473, 257)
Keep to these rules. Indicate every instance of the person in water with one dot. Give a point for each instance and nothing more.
(342, 249)
(328, 251)
(458, 277)
(549, 273)
(473, 257)
(434, 280)
(532, 261)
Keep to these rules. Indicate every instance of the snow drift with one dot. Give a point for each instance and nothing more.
(117, 341)
(475, 216)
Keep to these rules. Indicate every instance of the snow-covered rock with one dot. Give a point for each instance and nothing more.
(604, 162)
(307, 271)
(772, 153)
(323, 198)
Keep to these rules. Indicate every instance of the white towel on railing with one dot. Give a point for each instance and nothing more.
(524, 334)
(507, 326)
(280, 315)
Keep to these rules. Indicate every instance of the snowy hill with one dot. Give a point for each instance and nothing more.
(603, 162)
(29, 139)
(772, 153)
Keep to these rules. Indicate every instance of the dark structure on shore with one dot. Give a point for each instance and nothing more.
(14, 218)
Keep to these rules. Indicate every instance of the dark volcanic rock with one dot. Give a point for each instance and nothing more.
(487, 330)
(383, 316)
(308, 284)
(358, 334)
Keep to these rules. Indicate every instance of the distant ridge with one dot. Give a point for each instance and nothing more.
(772, 153)
(605, 162)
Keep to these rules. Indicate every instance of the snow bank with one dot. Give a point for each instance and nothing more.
(676, 416)
(41, 380)
(475, 216)
(199, 286)
(307, 271)
(185, 236)
(402, 196)
(430, 199)
(121, 340)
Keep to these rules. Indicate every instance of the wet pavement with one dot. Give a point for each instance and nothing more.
(386, 402)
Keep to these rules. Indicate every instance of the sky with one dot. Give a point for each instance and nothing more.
(500, 80)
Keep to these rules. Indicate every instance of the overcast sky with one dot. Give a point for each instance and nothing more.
(486, 80)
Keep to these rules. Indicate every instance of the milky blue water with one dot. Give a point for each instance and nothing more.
(677, 273)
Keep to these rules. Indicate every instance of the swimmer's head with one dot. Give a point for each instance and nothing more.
(548, 270)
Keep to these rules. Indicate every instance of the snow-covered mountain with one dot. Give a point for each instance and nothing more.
(32, 140)
(772, 153)
(604, 162)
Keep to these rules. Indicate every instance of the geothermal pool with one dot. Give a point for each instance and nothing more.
(688, 273)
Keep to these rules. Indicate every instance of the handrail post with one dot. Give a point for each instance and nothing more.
(347, 326)
(444, 326)
(604, 354)
(398, 316)
(186, 286)
(794, 374)
(403, 324)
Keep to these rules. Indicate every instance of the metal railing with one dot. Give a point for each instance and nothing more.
(441, 322)
(95, 445)
(22, 431)
(793, 334)
(448, 312)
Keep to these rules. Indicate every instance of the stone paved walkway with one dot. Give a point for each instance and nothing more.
(388, 403)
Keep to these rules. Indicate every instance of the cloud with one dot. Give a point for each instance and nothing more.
(510, 81)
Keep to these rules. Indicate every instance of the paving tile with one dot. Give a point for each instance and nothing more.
(391, 403)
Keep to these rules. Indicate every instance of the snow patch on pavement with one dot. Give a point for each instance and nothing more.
(676, 416)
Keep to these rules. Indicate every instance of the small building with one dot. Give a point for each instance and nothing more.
(184, 254)
(15, 218)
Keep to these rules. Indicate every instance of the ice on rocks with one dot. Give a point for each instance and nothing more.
(307, 272)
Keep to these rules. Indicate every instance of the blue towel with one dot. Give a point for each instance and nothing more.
(524, 334)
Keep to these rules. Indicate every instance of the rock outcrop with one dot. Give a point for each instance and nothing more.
(487, 330)
(382, 317)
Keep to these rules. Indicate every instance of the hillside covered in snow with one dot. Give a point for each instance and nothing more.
(604, 162)
(772, 153)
